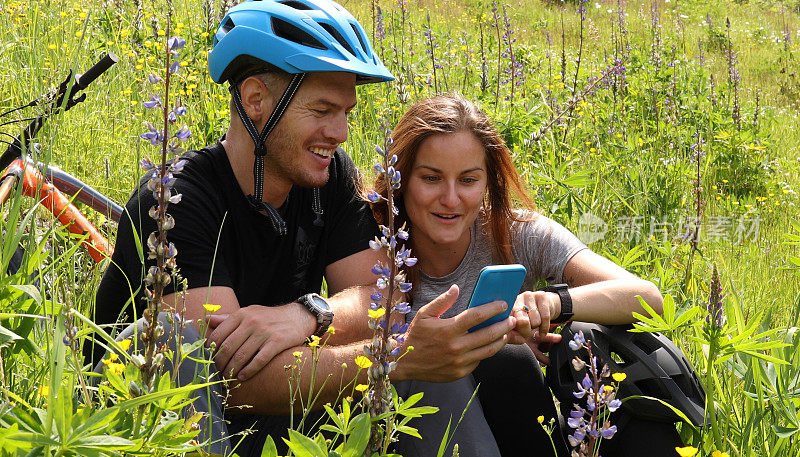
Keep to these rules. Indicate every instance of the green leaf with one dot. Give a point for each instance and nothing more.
(30, 290)
(411, 401)
(303, 446)
(409, 431)
(445, 439)
(7, 336)
(107, 442)
(678, 412)
(784, 432)
(419, 411)
(97, 420)
(359, 438)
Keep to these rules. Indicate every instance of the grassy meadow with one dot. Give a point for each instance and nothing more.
(627, 121)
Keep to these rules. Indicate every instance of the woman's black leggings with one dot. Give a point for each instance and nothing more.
(513, 393)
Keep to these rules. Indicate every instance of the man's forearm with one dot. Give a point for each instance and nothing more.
(268, 391)
(350, 315)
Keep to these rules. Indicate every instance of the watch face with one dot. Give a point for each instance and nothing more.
(320, 302)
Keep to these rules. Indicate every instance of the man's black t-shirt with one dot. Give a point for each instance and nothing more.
(215, 225)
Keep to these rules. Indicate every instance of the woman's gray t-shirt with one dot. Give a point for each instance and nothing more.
(539, 243)
(544, 247)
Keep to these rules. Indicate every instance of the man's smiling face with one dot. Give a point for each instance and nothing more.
(314, 125)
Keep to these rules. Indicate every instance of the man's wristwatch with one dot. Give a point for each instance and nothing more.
(566, 302)
(320, 308)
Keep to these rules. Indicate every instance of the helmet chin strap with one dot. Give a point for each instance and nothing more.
(259, 139)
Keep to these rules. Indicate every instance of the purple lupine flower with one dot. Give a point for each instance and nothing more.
(184, 133)
(405, 287)
(153, 136)
(173, 69)
(716, 316)
(146, 164)
(154, 101)
(403, 308)
(153, 78)
(608, 431)
(577, 341)
(175, 43)
(373, 196)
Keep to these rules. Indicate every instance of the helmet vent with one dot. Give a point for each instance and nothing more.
(337, 36)
(228, 25)
(360, 39)
(296, 5)
(648, 349)
(289, 32)
(618, 358)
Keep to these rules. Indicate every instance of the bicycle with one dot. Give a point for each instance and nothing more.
(51, 186)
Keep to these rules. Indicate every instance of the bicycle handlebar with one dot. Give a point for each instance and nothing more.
(14, 150)
(82, 81)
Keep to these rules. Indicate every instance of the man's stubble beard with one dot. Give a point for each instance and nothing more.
(281, 157)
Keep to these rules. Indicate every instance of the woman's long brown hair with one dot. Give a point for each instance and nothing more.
(448, 114)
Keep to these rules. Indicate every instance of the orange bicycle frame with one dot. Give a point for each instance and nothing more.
(35, 185)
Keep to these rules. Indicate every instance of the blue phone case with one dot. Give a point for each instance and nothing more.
(497, 283)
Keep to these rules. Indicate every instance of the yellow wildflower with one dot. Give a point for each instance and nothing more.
(211, 308)
(361, 387)
(719, 454)
(374, 314)
(331, 330)
(44, 391)
(540, 419)
(297, 354)
(125, 344)
(314, 341)
(608, 388)
(117, 368)
(363, 362)
(619, 377)
(687, 451)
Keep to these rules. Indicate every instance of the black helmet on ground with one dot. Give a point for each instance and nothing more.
(653, 366)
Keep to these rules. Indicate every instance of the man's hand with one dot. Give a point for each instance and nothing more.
(541, 346)
(444, 350)
(249, 338)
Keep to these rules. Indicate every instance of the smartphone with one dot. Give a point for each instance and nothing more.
(497, 283)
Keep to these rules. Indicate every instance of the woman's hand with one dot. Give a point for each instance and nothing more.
(542, 346)
(445, 349)
(540, 307)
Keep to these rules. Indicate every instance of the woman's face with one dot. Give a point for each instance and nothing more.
(445, 190)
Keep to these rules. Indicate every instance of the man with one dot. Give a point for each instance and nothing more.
(273, 208)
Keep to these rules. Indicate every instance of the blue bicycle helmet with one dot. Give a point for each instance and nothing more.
(297, 36)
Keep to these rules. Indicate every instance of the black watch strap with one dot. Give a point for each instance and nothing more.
(566, 302)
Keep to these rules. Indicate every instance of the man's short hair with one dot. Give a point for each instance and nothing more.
(245, 66)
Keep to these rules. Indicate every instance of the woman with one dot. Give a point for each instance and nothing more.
(459, 185)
